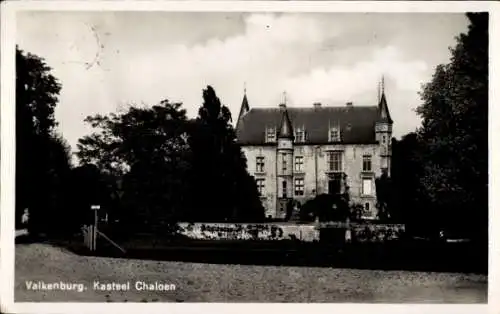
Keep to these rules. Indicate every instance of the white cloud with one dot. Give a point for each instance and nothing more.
(292, 52)
(340, 83)
(266, 52)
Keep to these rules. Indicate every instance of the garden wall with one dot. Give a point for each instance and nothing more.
(227, 231)
(369, 232)
(361, 232)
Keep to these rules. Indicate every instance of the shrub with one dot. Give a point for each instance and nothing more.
(356, 212)
(307, 211)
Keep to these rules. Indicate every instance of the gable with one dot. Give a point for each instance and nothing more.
(356, 123)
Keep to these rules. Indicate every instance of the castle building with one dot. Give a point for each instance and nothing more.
(296, 153)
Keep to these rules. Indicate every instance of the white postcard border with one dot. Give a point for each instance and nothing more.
(7, 160)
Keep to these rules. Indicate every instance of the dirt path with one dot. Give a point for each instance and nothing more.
(233, 283)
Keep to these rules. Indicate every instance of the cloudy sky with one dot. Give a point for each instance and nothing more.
(107, 60)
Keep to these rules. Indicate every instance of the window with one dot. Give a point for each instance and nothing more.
(299, 163)
(283, 188)
(299, 186)
(367, 186)
(270, 134)
(260, 186)
(334, 135)
(300, 135)
(334, 161)
(367, 163)
(283, 162)
(259, 164)
(367, 207)
(383, 139)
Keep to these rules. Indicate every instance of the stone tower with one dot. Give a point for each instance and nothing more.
(284, 162)
(383, 131)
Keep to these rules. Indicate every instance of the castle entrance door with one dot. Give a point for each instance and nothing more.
(334, 185)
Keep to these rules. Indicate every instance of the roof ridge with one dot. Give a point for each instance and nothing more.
(313, 108)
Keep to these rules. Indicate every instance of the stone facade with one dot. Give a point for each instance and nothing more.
(286, 168)
(315, 173)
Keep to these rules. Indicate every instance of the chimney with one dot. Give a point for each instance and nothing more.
(317, 105)
(349, 104)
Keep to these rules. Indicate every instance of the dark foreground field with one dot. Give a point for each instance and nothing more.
(412, 255)
(203, 282)
(411, 272)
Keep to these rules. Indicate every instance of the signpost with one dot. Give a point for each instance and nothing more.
(93, 230)
(90, 233)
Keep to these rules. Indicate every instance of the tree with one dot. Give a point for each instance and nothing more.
(222, 188)
(455, 133)
(145, 150)
(289, 210)
(382, 188)
(85, 186)
(42, 156)
(307, 211)
(328, 207)
(405, 202)
(169, 168)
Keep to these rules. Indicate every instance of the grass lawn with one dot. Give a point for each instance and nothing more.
(196, 282)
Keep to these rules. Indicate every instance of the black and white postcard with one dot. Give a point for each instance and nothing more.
(230, 156)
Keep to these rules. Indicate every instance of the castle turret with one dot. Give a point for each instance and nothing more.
(284, 154)
(245, 107)
(383, 131)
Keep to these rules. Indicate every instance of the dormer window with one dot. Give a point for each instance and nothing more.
(270, 134)
(300, 134)
(334, 134)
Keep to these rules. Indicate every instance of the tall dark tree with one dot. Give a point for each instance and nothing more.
(405, 199)
(85, 186)
(42, 156)
(145, 150)
(383, 187)
(455, 133)
(222, 188)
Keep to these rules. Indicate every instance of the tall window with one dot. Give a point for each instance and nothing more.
(299, 163)
(300, 135)
(383, 139)
(334, 161)
(367, 163)
(283, 189)
(270, 134)
(299, 186)
(259, 167)
(260, 186)
(283, 162)
(367, 186)
(334, 134)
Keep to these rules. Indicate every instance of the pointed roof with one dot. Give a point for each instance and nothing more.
(384, 115)
(286, 129)
(245, 107)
